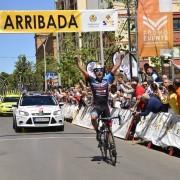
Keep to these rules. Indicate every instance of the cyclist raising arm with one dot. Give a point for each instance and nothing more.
(99, 86)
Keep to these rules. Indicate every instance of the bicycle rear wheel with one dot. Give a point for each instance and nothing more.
(112, 148)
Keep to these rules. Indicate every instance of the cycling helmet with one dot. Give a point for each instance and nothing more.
(98, 67)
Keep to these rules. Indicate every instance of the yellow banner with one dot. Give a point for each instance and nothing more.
(40, 21)
(155, 29)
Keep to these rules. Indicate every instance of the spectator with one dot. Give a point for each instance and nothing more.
(123, 86)
(170, 99)
(165, 84)
(138, 89)
(146, 65)
(119, 81)
(147, 88)
(50, 84)
(112, 95)
(143, 72)
(164, 77)
(154, 88)
(153, 74)
(177, 88)
(152, 104)
(138, 92)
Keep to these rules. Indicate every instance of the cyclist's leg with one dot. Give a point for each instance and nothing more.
(94, 116)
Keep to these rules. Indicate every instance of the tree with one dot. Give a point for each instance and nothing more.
(51, 65)
(3, 82)
(23, 72)
(70, 74)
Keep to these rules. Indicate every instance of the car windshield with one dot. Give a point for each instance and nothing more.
(38, 100)
(10, 99)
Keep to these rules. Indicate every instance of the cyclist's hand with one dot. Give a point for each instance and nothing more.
(119, 57)
(77, 59)
(122, 54)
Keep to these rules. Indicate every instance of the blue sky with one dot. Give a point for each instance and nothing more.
(13, 45)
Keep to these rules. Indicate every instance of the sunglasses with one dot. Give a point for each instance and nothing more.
(99, 70)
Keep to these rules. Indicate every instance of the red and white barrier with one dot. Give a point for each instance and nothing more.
(162, 129)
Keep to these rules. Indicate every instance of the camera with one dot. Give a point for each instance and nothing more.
(140, 72)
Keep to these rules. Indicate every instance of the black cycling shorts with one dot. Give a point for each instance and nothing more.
(102, 110)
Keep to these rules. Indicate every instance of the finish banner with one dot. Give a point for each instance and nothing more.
(51, 21)
(155, 27)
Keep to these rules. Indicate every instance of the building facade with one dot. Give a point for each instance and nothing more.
(50, 46)
(120, 38)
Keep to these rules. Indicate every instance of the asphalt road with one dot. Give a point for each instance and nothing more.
(73, 154)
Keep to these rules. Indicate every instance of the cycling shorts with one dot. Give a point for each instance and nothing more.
(102, 110)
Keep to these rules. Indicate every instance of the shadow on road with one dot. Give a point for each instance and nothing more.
(99, 159)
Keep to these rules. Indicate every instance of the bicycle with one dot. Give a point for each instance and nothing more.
(105, 143)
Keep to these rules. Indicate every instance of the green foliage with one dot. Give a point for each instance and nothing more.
(70, 74)
(38, 71)
(156, 61)
(29, 75)
(67, 68)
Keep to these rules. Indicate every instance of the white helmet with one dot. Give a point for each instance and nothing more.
(98, 67)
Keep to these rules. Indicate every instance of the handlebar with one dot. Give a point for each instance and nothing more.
(110, 118)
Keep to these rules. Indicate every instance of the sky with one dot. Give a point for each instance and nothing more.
(13, 45)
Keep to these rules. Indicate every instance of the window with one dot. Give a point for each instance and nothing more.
(11, 99)
(38, 100)
(176, 24)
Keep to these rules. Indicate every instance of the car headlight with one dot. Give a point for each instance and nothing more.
(23, 113)
(57, 113)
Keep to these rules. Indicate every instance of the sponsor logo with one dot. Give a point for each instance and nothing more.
(108, 20)
(155, 25)
(92, 18)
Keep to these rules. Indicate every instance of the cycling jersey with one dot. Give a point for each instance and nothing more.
(100, 90)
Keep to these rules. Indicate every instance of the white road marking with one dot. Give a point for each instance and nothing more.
(44, 138)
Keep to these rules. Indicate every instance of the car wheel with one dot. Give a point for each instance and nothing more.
(60, 128)
(14, 119)
(13, 124)
(16, 128)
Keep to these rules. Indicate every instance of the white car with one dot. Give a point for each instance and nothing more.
(37, 111)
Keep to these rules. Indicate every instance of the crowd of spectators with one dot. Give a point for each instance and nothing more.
(144, 94)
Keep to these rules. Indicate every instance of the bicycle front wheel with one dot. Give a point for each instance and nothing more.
(103, 146)
(112, 148)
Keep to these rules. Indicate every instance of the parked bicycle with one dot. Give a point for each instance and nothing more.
(106, 140)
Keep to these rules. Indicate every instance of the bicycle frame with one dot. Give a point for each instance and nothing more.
(106, 140)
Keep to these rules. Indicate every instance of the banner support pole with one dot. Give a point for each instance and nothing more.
(129, 38)
(101, 48)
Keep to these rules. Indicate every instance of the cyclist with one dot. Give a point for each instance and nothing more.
(100, 89)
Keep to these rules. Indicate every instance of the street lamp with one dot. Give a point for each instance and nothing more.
(45, 67)
(57, 46)
(44, 42)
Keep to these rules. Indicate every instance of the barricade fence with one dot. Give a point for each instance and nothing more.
(162, 129)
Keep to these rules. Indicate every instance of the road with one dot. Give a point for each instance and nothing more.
(73, 154)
